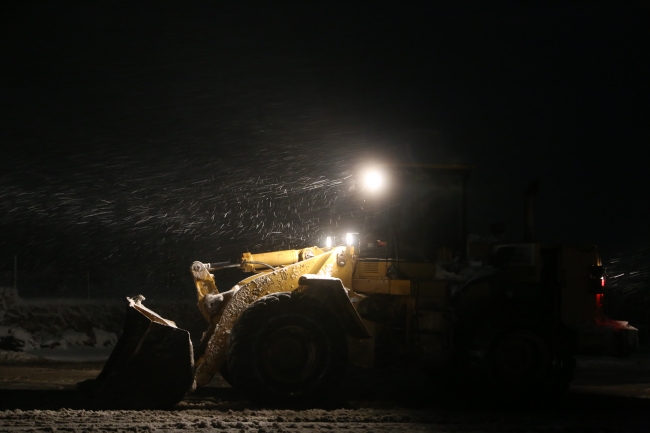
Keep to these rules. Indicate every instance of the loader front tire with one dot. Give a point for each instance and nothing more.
(286, 349)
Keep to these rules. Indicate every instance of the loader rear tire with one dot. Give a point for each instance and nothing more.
(513, 355)
(286, 349)
(520, 360)
(528, 365)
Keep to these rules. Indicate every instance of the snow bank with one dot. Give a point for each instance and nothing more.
(104, 339)
(76, 329)
(15, 338)
(34, 330)
(13, 357)
(19, 346)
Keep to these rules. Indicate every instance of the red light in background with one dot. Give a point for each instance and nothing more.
(602, 281)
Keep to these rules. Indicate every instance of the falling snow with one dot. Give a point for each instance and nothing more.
(105, 219)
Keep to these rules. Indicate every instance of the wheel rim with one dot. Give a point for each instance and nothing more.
(521, 359)
(292, 355)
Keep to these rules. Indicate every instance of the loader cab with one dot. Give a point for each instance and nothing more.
(419, 213)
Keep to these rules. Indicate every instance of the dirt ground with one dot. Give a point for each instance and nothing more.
(607, 396)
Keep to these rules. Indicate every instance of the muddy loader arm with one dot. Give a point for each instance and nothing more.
(211, 301)
(279, 271)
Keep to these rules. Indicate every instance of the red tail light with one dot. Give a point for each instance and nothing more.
(596, 279)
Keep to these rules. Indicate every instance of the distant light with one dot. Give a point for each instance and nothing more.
(349, 238)
(328, 242)
(373, 180)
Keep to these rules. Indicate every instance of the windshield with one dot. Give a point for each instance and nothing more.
(421, 212)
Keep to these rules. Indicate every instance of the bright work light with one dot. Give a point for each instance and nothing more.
(373, 180)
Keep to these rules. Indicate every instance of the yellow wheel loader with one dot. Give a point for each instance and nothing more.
(407, 288)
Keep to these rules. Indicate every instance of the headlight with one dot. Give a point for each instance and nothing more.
(351, 238)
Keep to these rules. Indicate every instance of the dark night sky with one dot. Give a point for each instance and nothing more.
(141, 136)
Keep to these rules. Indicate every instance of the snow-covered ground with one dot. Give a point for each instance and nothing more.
(608, 397)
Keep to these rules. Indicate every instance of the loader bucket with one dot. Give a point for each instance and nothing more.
(151, 367)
